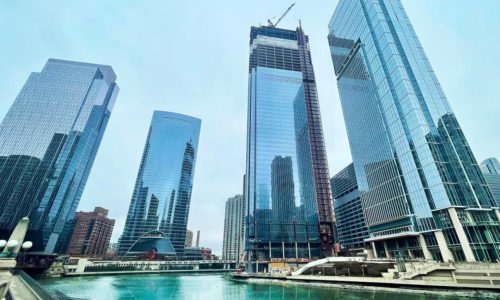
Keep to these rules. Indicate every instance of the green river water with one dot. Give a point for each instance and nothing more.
(217, 286)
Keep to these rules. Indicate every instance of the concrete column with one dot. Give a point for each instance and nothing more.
(369, 253)
(296, 251)
(410, 254)
(462, 237)
(443, 246)
(425, 250)
(497, 212)
(387, 253)
(374, 250)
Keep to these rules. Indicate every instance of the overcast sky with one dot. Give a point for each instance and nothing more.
(191, 57)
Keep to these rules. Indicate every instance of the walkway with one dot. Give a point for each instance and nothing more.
(370, 281)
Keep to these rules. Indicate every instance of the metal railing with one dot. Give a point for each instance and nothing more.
(36, 289)
(425, 269)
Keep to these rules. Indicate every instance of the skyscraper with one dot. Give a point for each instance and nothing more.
(422, 191)
(491, 172)
(490, 166)
(92, 233)
(243, 222)
(350, 221)
(189, 239)
(162, 193)
(289, 211)
(231, 246)
(48, 142)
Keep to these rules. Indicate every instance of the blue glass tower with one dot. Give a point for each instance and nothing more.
(422, 191)
(162, 193)
(491, 172)
(48, 142)
(490, 166)
(289, 210)
(349, 217)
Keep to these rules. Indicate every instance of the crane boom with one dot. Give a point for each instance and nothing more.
(281, 18)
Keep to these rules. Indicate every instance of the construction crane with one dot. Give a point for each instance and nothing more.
(270, 24)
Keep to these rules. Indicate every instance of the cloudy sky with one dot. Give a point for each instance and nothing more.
(191, 57)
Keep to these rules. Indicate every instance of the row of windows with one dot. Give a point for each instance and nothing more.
(162, 193)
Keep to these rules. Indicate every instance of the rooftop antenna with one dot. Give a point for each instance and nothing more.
(270, 24)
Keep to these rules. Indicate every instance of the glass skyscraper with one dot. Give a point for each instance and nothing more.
(162, 193)
(491, 172)
(490, 166)
(289, 210)
(48, 142)
(422, 190)
(349, 217)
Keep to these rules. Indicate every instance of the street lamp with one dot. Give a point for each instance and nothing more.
(12, 244)
(26, 245)
(10, 251)
(8, 247)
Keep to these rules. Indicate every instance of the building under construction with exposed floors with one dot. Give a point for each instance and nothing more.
(289, 210)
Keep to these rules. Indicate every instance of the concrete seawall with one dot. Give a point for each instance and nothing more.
(371, 281)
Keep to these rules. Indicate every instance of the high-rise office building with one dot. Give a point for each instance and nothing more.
(243, 222)
(48, 142)
(289, 210)
(92, 233)
(491, 172)
(162, 193)
(231, 247)
(189, 239)
(422, 191)
(490, 166)
(350, 221)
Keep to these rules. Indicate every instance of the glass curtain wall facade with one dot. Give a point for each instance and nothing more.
(162, 193)
(349, 217)
(289, 210)
(243, 223)
(48, 142)
(422, 191)
(491, 172)
(490, 166)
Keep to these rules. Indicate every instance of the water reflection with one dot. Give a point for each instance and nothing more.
(216, 286)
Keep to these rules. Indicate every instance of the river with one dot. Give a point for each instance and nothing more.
(217, 286)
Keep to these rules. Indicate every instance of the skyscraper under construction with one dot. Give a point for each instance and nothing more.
(289, 211)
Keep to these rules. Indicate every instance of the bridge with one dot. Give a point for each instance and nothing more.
(323, 261)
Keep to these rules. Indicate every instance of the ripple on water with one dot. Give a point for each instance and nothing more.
(216, 286)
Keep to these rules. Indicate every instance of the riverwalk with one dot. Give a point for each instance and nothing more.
(369, 281)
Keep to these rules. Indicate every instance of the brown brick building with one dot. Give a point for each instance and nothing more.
(92, 233)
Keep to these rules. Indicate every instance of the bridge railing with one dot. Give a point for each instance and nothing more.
(34, 286)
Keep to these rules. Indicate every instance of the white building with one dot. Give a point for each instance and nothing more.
(189, 239)
(233, 228)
